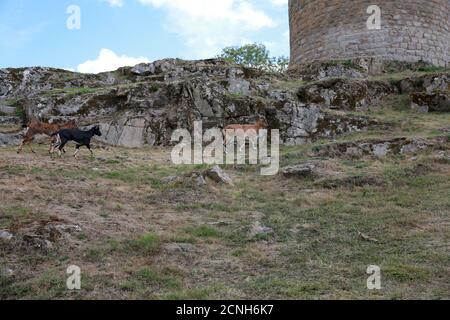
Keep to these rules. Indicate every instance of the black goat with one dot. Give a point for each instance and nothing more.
(82, 138)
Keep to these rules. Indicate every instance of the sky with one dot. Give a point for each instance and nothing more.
(92, 36)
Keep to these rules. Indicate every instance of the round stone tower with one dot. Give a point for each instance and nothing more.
(403, 30)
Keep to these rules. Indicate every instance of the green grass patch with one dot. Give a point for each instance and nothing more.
(147, 244)
(70, 92)
(10, 288)
(273, 287)
(154, 276)
(203, 231)
(406, 273)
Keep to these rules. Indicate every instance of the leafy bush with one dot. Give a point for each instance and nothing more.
(255, 56)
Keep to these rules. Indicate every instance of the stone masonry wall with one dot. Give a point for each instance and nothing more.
(411, 30)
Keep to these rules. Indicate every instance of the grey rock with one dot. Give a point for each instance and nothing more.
(436, 101)
(170, 179)
(381, 150)
(6, 236)
(10, 120)
(68, 228)
(176, 248)
(414, 146)
(321, 71)
(239, 86)
(133, 134)
(219, 176)
(200, 181)
(258, 228)
(344, 94)
(378, 148)
(10, 139)
(36, 242)
(144, 69)
(7, 109)
(419, 109)
(299, 171)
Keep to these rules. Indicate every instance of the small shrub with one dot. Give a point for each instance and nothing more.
(147, 244)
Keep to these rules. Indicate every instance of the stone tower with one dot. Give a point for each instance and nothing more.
(408, 30)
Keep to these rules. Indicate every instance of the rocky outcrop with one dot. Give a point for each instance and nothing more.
(428, 93)
(379, 148)
(299, 170)
(44, 236)
(144, 104)
(344, 94)
(10, 139)
(426, 83)
(326, 70)
(436, 101)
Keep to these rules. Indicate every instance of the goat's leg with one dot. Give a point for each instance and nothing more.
(31, 147)
(19, 150)
(26, 136)
(77, 150)
(26, 139)
(56, 142)
(89, 147)
(61, 147)
(53, 142)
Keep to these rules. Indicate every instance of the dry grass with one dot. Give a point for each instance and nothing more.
(141, 239)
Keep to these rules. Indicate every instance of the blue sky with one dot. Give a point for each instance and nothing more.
(113, 33)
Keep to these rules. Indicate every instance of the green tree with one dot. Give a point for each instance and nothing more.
(255, 56)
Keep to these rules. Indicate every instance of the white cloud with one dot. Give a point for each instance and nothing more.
(108, 61)
(115, 3)
(207, 26)
(279, 2)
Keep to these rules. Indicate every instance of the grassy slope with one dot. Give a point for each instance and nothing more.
(131, 223)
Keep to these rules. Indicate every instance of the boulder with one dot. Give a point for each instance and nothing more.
(10, 139)
(299, 171)
(344, 94)
(5, 236)
(437, 101)
(326, 70)
(219, 176)
(428, 83)
(259, 229)
(179, 248)
(144, 69)
(133, 133)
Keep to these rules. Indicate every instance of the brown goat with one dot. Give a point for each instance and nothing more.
(35, 127)
(257, 126)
